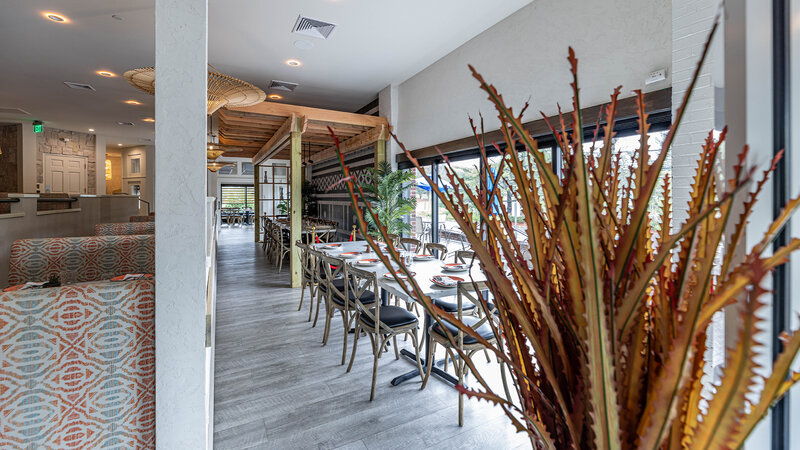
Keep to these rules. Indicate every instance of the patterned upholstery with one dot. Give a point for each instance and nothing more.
(142, 218)
(90, 258)
(78, 366)
(124, 228)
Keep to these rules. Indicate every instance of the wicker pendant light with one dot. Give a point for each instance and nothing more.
(214, 166)
(223, 90)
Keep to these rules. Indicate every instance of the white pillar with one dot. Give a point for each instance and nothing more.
(180, 187)
(748, 113)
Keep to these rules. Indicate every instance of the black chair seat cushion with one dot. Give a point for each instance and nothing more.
(367, 297)
(451, 304)
(391, 316)
(337, 283)
(484, 331)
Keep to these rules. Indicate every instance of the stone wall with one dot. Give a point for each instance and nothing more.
(70, 143)
(10, 159)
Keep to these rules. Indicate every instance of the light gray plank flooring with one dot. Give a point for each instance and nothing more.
(277, 387)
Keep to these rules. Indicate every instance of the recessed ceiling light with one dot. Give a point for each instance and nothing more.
(274, 97)
(119, 145)
(91, 130)
(106, 73)
(132, 102)
(293, 63)
(303, 45)
(55, 17)
(149, 119)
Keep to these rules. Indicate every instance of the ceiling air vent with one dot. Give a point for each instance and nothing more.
(312, 27)
(81, 86)
(125, 124)
(15, 111)
(282, 85)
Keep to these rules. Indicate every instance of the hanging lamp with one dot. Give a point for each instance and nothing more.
(223, 90)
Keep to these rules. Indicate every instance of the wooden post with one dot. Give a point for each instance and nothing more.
(257, 201)
(295, 207)
(380, 152)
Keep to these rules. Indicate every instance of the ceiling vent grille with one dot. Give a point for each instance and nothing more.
(81, 86)
(15, 111)
(287, 86)
(125, 124)
(312, 27)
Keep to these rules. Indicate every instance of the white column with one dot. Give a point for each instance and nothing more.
(180, 187)
(748, 113)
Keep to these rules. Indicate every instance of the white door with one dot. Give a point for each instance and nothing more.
(65, 174)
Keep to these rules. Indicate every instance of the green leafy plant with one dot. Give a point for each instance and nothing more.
(384, 189)
(603, 318)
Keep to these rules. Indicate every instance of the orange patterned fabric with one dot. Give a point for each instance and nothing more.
(80, 259)
(124, 228)
(78, 366)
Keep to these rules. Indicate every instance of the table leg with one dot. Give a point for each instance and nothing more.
(434, 370)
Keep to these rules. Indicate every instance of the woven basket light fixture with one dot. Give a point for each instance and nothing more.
(214, 166)
(223, 90)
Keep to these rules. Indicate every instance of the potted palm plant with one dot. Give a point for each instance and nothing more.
(603, 320)
(384, 189)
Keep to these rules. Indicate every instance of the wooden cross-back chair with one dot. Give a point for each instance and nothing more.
(440, 250)
(407, 243)
(308, 269)
(380, 323)
(463, 256)
(467, 344)
(282, 246)
(339, 296)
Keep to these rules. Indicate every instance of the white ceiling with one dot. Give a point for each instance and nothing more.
(376, 43)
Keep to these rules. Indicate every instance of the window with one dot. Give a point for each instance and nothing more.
(228, 170)
(420, 219)
(234, 196)
(247, 168)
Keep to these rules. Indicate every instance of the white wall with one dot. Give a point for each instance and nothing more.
(616, 41)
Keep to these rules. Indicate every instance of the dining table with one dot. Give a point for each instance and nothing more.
(423, 272)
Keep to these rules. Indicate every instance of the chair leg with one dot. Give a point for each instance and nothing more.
(415, 341)
(355, 345)
(505, 382)
(396, 351)
(376, 352)
(319, 302)
(460, 398)
(430, 361)
(346, 324)
(328, 314)
(302, 293)
(311, 299)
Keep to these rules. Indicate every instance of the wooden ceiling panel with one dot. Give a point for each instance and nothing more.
(253, 127)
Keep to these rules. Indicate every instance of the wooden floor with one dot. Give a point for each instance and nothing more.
(277, 387)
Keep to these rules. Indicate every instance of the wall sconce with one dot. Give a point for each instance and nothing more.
(108, 169)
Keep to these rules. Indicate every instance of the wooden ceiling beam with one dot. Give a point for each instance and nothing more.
(354, 143)
(280, 138)
(313, 114)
